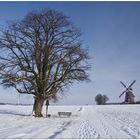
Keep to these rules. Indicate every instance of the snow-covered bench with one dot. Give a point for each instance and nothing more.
(68, 114)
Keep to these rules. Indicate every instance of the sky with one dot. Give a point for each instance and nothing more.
(111, 30)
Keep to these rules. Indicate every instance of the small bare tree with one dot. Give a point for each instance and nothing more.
(101, 99)
(104, 99)
(41, 55)
(98, 99)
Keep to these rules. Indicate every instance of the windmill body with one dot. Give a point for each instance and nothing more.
(129, 96)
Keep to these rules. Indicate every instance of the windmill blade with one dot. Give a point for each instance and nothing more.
(132, 83)
(122, 93)
(123, 84)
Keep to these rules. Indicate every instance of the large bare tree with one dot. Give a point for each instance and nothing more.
(41, 55)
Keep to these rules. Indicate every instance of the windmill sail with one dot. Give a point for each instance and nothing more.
(122, 93)
(123, 84)
(132, 83)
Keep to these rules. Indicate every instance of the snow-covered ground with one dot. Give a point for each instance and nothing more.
(110, 121)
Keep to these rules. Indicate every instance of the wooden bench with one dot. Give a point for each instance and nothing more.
(68, 114)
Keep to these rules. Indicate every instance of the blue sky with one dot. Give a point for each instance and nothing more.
(111, 30)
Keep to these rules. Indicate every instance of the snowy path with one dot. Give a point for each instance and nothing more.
(85, 122)
(108, 122)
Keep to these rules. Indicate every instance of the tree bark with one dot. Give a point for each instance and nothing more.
(37, 107)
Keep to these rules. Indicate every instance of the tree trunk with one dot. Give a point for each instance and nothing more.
(37, 107)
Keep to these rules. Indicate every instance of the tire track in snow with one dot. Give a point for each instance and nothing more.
(120, 125)
(110, 128)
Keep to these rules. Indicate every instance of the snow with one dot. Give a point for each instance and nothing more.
(110, 121)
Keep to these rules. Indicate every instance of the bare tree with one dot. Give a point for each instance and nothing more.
(41, 55)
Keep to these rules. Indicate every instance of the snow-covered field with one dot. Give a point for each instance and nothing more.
(110, 121)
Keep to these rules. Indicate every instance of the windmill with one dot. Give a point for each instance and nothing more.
(129, 96)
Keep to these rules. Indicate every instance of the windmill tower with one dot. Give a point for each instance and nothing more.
(129, 96)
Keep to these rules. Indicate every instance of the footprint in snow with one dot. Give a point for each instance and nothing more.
(87, 131)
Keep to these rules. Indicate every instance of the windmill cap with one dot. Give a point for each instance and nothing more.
(130, 88)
